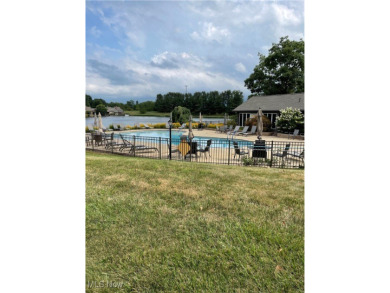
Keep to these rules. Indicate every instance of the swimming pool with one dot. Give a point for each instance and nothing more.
(176, 134)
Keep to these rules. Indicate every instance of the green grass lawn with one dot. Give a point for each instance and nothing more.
(161, 226)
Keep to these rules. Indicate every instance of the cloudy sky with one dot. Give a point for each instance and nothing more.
(138, 49)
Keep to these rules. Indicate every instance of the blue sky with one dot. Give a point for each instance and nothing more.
(138, 49)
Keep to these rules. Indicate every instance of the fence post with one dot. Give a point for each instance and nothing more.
(134, 145)
(272, 150)
(160, 146)
(190, 149)
(229, 153)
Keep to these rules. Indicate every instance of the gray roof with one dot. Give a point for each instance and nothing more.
(115, 109)
(273, 103)
(89, 109)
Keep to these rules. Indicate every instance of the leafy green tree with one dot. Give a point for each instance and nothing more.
(101, 108)
(88, 100)
(146, 106)
(181, 115)
(96, 102)
(130, 105)
(281, 72)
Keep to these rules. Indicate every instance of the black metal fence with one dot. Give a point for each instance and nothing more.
(274, 154)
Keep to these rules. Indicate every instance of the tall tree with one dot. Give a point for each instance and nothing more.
(281, 72)
(88, 100)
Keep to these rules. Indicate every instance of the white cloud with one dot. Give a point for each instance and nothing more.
(140, 79)
(136, 38)
(240, 67)
(210, 32)
(95, 31)
(285, 16)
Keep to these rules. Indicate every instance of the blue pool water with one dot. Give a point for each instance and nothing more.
(218, 142)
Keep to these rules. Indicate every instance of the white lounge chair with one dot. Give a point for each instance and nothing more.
(253, 130)
(236, 129)
(243, 131)
(294, 134)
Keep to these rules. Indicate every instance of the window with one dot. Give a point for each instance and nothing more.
(272, 118)
(242, 118)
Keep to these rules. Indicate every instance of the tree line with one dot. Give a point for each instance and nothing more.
(206, 102)
(212, 102)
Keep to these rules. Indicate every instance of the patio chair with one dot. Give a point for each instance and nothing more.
(236, 129)
(115, 128)
(299, 155)
(283, 154)
(294, 134)
(182, 126)
(253, 130)
(222, 128)
(193, 150)
(174, 150)
(97, 139)
(229, 129)
(206, 149)
(238, 151)
(109, 139)
(217, 129)
(87, 139)
(243, 131)
(132, 148)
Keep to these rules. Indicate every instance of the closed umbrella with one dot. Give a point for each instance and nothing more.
(259, 123)
(225, 120)
(200, 117)
(95, 121)
(190, 134)
(100, 123)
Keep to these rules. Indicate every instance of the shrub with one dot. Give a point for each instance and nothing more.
(232, 122)
(194, 125)
(159, 125)
(111, 126)
(175, 125)
(181, 114)
(86, 129)
(211, 125)
(289, 120)
(253, 122)
(247, 161)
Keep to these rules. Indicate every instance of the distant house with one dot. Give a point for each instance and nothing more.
(270, 106)
(89, 111)
(115, 111)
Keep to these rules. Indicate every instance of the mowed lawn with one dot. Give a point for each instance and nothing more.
(161, 226)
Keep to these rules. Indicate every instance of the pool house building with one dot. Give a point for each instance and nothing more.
(270, 105)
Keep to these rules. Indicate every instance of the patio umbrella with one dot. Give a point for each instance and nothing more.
(225, 120)
(95, 122)
(190, 134)
(200, 117)
(259, 123)
(100, 122)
